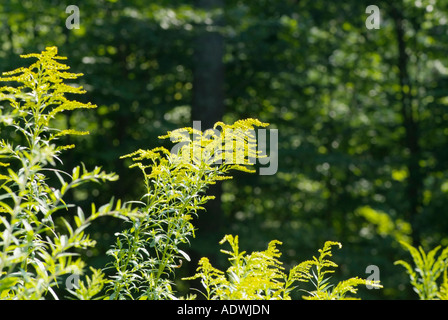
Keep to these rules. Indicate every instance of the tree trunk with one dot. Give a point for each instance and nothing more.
(411, 141)
(208, 103)
(208, 82)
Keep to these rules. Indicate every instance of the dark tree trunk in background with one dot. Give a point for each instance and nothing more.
(208, 105)
(410, 123)
(208, 82)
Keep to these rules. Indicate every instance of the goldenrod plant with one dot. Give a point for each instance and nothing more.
(427, 271)
(147, 253)
(261, 276)
(254, 276)
(324, 289)
(38, 243)
(443, 291)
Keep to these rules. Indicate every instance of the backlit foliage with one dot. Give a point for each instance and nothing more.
(260, 275)
(41, 96)
(38, 240)
(424, 276)
(230, 144)
(324, 289)
(147, 253)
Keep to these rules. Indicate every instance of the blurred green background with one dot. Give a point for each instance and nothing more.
(362, 115)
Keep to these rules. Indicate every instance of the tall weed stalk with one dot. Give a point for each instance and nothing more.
(39, 240)
(147, 254)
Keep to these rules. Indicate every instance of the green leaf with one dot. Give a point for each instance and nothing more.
(184, 254)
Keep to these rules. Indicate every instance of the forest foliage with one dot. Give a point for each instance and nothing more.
(361, 116)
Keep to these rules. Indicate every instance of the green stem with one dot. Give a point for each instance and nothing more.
(165, 259)
(132, 248)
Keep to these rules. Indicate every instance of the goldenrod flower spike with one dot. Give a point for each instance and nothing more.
(41, 91)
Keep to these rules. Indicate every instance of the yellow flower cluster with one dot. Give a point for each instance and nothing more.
(42, 88)
(234, 144)
(260, 275)
(198, 155)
